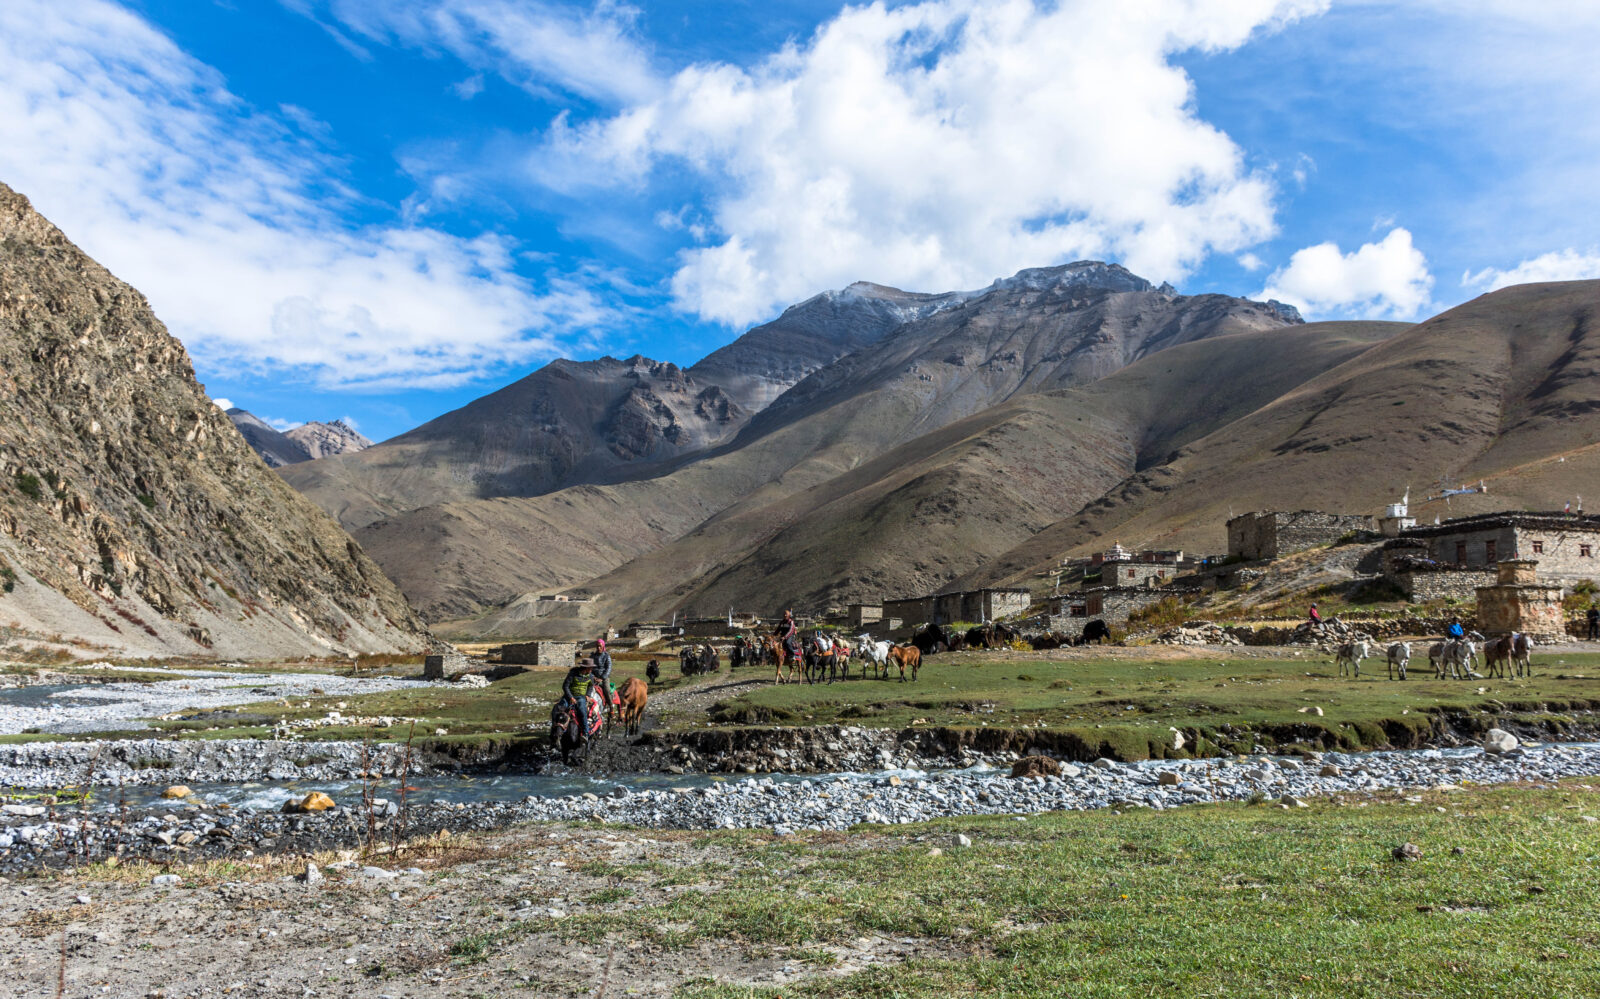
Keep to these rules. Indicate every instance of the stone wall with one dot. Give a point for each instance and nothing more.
(971, 605)
(1529, 609)
(563, 654)
(862, 615)
(1424, 585)
(445, 666)
(1566, 548)
(1275, 533)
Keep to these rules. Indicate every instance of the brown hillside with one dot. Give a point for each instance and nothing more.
(1501, 389)
(132, 514)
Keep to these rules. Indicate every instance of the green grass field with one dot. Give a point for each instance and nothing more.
(1219, 900)
(1129, 704)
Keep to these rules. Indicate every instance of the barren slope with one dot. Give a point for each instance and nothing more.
(132, 513)
(1501, 389)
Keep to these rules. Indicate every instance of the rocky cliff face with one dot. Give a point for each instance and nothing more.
(133, 516)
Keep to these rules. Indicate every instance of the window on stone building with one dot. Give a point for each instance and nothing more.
(1132, 573)
(1538, 547)
(1461, 551)
(1584, 552)
(1488, 551)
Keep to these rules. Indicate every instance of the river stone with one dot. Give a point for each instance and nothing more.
(1169, 778)
(177, 791)
(166, 880)
(1104, 764)
(1499, 741)
(1068, 770)
(1329, 770)
(312, 875)
(1036, 766)
(316, 801)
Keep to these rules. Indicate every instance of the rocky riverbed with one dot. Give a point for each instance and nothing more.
(34, 834)
(114, 705)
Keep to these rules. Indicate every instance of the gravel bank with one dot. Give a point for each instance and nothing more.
(37, 835)
(109, 706)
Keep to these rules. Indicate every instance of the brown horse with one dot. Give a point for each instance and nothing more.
(780, 659)
(633, 694)
(903, 656)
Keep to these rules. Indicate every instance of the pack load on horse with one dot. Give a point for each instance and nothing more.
(874, 656)
(578, 714)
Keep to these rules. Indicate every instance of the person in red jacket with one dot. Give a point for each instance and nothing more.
(1316, 619)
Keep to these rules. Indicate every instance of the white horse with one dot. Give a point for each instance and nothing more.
(875, 654)
(1458, 656)
(1399, 658)
(1349, 656)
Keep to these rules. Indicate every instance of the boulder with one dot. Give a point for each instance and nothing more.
(1169, 778)
(1329, 770)
(1499, 741)
(316, 801)
(177, 791)
(1104, 764)
(1036, 766)
(1407, 851)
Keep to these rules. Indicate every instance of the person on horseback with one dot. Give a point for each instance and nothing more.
(602, 676)
(575, 692)
(789, 634)
(1456, 632)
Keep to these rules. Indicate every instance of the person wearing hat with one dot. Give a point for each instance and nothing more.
(1316, 619)
(575, 688)
(602, 676)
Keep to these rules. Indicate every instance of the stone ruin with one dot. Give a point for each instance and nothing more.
(563, 654)
(445, 665)
(1519, 602)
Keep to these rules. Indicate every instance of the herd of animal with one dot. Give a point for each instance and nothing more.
(1508, 656)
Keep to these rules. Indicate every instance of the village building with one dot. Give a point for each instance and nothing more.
(1566, 547)
(990, 604)
(1273, 534)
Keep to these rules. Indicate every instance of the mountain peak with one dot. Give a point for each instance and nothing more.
(1079, 274)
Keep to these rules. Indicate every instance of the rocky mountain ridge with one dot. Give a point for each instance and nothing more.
(307, 442)
(134, 518)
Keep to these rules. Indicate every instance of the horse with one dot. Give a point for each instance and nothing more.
(633, 694)
(825, 653)
(780, 658)
(1096, 631)
(932, 639)
(1522, 655)
(874, 655)
(906, 655)
(1497, 655)
(567, 735)
(1399, 658)
(1349, 656)
(1458, 656)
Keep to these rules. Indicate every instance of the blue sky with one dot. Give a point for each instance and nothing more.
(381, 211)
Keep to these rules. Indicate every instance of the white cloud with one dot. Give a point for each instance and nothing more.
(534, 45)
(939, 144)
(1386, 278)
(235, 224)
(1251, 262)
(1557, 265)
(281, 425)
(223, 404)
(469, 88)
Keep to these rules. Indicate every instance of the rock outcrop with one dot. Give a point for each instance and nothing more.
(307, 442)
(133, 516)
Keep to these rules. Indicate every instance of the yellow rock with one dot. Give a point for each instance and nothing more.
(177, 791)
(316, 801)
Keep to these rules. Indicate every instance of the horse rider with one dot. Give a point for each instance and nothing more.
(1456, 632)
(602, 675)
(575, 690)
(788, 634)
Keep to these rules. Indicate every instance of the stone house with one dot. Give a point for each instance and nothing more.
(990, 604)
(1566, 548)
(563, 654)
(1274, 533)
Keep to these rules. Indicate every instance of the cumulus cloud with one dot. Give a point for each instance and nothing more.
(535, 45)
(939, 144)
(223, 404)
(282, 425)
(1557, 265)
(235, 224)
(1389, 278)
